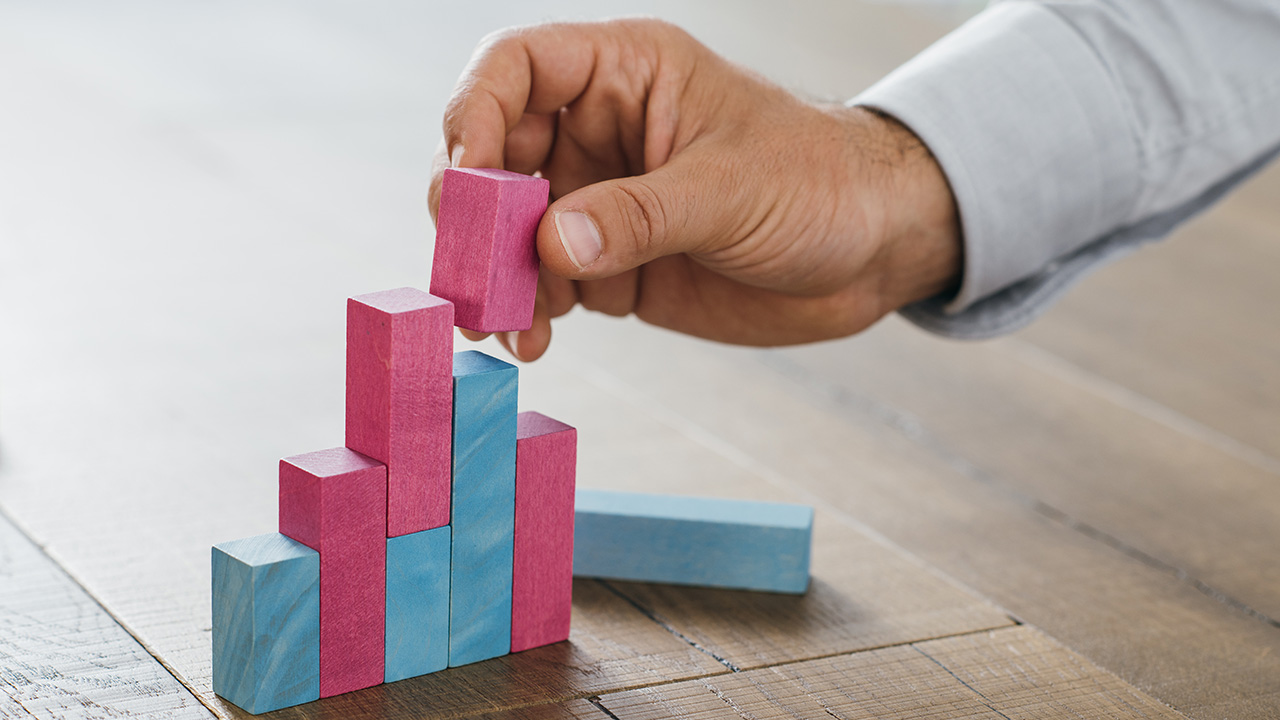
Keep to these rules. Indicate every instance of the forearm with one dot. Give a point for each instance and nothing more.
(1072, 132)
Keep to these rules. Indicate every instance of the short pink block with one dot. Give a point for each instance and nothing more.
(335, 502)
(400, 400)
(542, 581)
(486, 260)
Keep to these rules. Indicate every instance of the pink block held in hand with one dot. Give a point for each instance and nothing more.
(486, 262)
(400, 400)
(542, 578)
(335, 502)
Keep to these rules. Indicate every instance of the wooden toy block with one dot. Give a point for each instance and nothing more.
(542, 579)
(692, 541)
(418, 603)
(486, 261)
(399, 400)
(484, 480)
(266, 622)
(335, 502)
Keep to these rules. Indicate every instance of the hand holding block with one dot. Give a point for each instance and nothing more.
(692, 541)
(486, 261)
(542, 580)
(335, 502)
(266, 622)
(400, 400)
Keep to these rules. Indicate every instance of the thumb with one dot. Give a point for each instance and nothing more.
(607, 228)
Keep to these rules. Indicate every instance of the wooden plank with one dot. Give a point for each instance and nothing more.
(1138, 479)
(542, 566)
(685, 540)
(1024, 674)
(266, 622)
(486, 260)
(877, 466)
(62, 655)
(578, 709)
(400, 400)
(1014, 672)
(1187, 323)
(418, 603)
(484, 496)
(335, 502)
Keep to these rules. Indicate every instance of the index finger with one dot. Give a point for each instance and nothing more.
(537, 69)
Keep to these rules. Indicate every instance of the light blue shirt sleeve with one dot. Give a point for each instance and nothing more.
(1073, 132)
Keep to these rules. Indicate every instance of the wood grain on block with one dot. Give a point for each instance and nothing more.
(542, 578)
(682, 540)
(417, 603)
(399, 399)
(335, 502)
(486, 261)
(484, 490)
(266, 622)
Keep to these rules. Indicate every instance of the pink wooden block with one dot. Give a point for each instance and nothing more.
(335, 502)
(400, 400)
(486, 261)
(542, 581)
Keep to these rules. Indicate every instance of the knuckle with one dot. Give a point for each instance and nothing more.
(643, 216)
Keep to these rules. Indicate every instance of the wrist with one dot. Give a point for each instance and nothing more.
(920, 251)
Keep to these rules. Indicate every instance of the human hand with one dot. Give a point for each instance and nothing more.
(697, 195)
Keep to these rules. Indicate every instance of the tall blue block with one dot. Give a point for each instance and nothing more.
(484, 497)
(692, 541)
(266, 622)
(418, 603)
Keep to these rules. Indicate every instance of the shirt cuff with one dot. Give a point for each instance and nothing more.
(1035, 140)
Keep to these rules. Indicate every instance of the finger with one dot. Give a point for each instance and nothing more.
(513, 72)
(614, 296)
(438, 163)
(693, 204)
(558, 294)
(530, 143)
(529, 345)
(472, 335)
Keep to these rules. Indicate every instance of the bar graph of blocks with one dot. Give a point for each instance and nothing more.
(443, 532)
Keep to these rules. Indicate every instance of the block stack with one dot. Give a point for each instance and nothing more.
(441, 533)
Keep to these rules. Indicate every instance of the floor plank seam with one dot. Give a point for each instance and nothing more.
(985, 700)
(855, 406)
(595, 700)
(666, 626)
(1153, 562)
(44, 550)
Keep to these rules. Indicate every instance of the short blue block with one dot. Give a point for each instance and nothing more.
(737, 544)
(484, 501)
(266, 622)
(417, 603)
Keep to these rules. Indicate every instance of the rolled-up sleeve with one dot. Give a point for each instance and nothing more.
(1073, 132)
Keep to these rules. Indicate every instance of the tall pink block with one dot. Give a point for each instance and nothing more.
(542, 581)
(335, 502)
(486, 261)
(400, 400)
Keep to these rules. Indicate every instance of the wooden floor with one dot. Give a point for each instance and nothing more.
(1080, 520)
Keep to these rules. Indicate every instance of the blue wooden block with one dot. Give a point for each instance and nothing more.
(692, 541)
(266, 622)
(418, 603)
(484, 497)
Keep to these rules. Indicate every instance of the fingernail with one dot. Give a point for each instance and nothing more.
(455, 159)
(579, 237)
